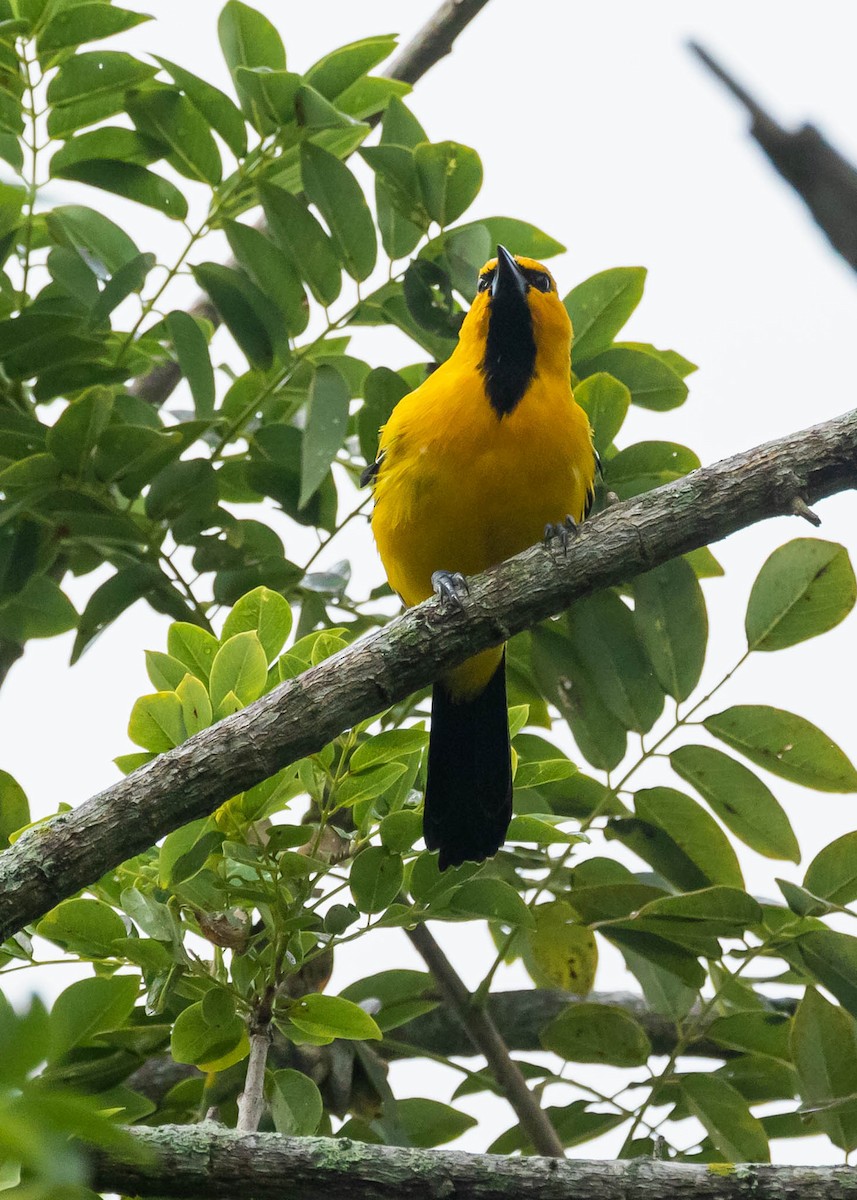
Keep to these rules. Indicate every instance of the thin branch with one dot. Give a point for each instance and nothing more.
(55, 860)
(251, 1102)
(220, 1164)
(825, 181)
(483, 1034)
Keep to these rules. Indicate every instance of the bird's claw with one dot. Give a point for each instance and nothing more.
(562, 533)
(449, 587)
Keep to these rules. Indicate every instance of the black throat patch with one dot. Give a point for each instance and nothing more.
(510, 352)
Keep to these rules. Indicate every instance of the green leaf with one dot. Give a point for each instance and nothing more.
(647, 465)
(567, 682)
(240, 666)
(402, 995)
(126, 179)
(519, 236)
(387, 746)
(272, 271)
(546, 770)
(603, 637)
(737, 1134)
(824, 1045)
(804, 588)
(832, 874)
(40, 610)
(97, 74)
(597, 1033)
(341, 68)
(382, 390)
(265, 613)
(429, 1123)
(652, 382)
(206, 1043)
(111, 599)
(606, 402)
(492, 900)
(87, 22)
(763, 1032)
(724, 908)
(339, 198)
(303, 241)
(831, 959)
(193, 646)
(786, 744)
(574, 1125)
(87, 1008)
(123, 283)
(670, 614)
(192, 352)
(564, 953)
(218, 110)
(170, 117)
(105, 246)
(740, 799)
(450, 177)
(296, 1104)
(74, 435)
(600, 306)
(368, 784)
(14, 808)
(184, 852)
(156, 722)
(248, 39)
(270, 97)
(375, 879)
(326, 424)
(332, 1017)
(245, 310)
(165, 672)
(693, 831)
(196, 706)
(85, 927)
(400, 830)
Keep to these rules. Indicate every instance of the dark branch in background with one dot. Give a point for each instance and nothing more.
(825, 181)
(483, 1036)
(433, 42)
(212, 1163)
(57, 859)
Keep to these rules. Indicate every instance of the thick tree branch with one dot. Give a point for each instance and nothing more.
(298, 718)
(825, 181)
(483, 1036)
(201, 1160)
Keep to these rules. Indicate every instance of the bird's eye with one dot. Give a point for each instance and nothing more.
(541, 280)
(484, 281)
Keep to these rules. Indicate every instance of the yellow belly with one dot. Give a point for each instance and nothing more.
(461, 489)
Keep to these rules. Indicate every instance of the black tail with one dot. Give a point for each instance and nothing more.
(469, 790)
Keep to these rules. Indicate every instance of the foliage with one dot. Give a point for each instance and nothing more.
(241, 913)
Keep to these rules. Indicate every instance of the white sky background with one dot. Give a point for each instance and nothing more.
(595, 123)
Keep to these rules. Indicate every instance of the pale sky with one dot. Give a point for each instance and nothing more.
(594, 122)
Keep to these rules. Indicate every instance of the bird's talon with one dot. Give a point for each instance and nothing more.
(449, 587)
(561, 533)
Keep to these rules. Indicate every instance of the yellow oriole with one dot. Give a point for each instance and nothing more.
(487, 456)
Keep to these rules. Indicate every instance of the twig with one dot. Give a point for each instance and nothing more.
(54, 861)
(825, 181)
(216, 1164)
(251, 1102)
(485, 1037)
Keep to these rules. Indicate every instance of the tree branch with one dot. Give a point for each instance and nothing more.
(55, 860)
(825, 181)
(483, 1035)
(212, 1163)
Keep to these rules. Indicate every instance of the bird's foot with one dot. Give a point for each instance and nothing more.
(449, 587)
(562, 533)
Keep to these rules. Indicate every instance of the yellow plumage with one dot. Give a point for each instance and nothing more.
(469, 473)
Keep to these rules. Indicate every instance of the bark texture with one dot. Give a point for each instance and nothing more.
(55, 860)
(213, 1163)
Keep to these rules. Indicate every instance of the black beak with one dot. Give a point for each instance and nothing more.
(509, 279)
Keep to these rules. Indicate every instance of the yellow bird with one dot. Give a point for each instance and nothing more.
(486, 457)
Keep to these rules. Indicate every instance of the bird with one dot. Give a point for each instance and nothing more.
(488, 456)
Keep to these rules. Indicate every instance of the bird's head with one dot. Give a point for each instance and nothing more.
(517, 326)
